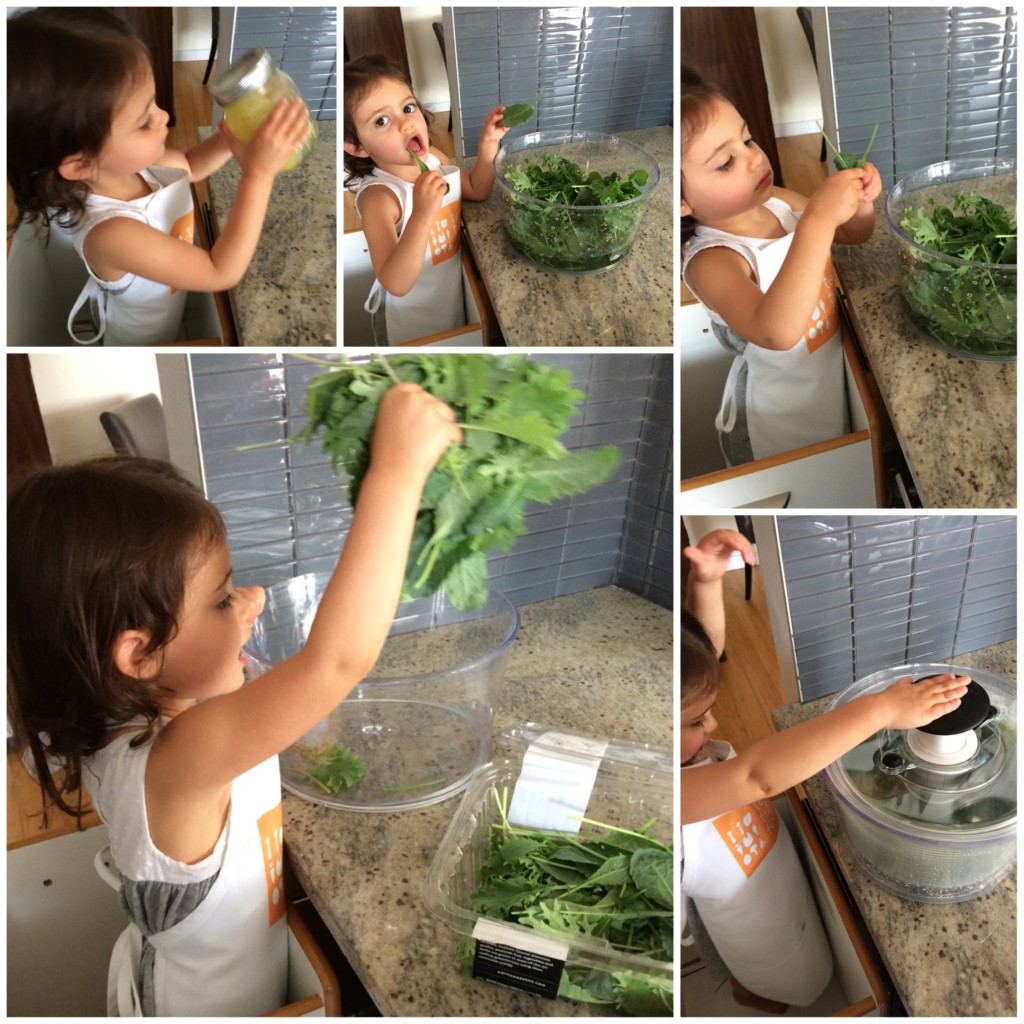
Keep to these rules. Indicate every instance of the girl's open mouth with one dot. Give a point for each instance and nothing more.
(415, 143)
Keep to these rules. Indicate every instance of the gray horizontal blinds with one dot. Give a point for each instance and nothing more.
(867, 593)
(607, 69)
(941, 83)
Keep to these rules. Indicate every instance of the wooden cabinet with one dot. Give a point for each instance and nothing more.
(721, 44)
(376, 30)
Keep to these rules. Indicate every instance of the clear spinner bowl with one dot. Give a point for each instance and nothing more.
(967, 307)
(563, 238)
(420, 723)
(931, 836)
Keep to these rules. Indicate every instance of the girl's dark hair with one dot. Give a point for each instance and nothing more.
(67, 68)
(93, 549)
(696, 98)
(361, 75)
(699, 668)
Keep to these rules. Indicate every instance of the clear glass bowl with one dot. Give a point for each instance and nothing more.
(566, 239)
(937, 840)
(966, 307)
(421, 721)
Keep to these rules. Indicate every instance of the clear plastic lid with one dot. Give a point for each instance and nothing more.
(909, 783)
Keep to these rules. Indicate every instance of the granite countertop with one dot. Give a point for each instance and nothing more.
(288, 296)
(955, 418)
(630, 304)
(599, 662)
(946, 960)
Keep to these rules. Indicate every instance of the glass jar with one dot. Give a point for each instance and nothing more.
(249, 90)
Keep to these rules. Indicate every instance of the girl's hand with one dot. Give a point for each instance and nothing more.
(428, 193)
(710, 557)
(491, 133)
(838, 197)
(266, 153)
(909, 705)
(412, 431)
(872, 182)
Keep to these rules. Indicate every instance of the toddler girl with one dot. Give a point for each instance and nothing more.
(759, 263)
(747, 902)
(125, 669)
(412, 219)
(86, 148)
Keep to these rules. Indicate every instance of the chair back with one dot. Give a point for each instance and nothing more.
(137, 427)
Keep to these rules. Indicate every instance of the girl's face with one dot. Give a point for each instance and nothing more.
(697, 725)
(387, 120)
(725, 173)
(138, 133)
(204, 658)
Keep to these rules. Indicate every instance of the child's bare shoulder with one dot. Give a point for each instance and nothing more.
(379, 203)
(795, 200)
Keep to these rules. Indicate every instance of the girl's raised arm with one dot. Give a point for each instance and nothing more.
(773, 764)
(203, 749)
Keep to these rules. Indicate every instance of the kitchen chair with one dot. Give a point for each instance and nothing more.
(137, 427)
(313, 989)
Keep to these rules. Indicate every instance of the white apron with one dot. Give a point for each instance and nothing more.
(435, 302)
(742, 872)
(134, 310)
(793, 398)
(229, 956)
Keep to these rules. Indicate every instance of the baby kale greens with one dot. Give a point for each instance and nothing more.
(845, 161)
(606, 883)
(519, 113)
(970, 306)
(328, 768)
(579, 224)
(513, 413)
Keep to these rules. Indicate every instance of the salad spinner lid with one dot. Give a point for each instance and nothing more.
(900, 779)
(974, 710)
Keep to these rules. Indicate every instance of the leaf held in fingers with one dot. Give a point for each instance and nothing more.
(519, 113)
(424, 169)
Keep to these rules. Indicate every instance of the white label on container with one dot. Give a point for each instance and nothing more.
(555, 782)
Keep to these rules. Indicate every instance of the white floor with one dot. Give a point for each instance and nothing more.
(701, 1000)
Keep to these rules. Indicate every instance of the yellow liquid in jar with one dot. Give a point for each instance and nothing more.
(247, 113)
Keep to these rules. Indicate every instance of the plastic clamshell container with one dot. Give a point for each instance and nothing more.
(945, 847)
(933, 287)
(590, 239)
(421, 722)
(632, 785)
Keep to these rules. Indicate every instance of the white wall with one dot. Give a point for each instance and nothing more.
(191, 36)
(73, 388)
(793, 90)
(429, 79)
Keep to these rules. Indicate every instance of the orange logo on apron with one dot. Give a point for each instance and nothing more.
(824, 320)
(184, 230)
(749, 833)
(271, 826)
(444, 232)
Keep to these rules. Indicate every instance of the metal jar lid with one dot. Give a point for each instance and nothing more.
(250, 71)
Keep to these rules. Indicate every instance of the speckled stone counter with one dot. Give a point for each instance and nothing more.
(599, 662)
(956, 419)
(946, 960)
(288, 296)
(630, 304)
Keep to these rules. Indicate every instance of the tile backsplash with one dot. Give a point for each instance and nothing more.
(869, 592)
(287, 511)
(606, 69)
(941, 83)
(303, 42)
